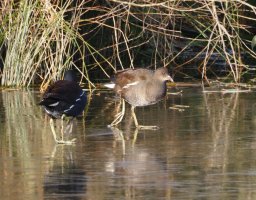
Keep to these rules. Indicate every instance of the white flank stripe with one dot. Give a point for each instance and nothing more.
(54, 104)
(81, 95)
(69, 108)
(131, 84)
(110, 85)
(78, 99)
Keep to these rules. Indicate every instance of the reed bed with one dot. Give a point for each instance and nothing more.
(40, 39)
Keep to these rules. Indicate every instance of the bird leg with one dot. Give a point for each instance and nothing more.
(119, 116)
(141, 126)
(69, 126)
(68, 142)
(53, 130)
(62, 126)
(62, 141)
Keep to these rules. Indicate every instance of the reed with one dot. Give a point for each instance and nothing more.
(220, 29)
(40, 41)
(43, 38)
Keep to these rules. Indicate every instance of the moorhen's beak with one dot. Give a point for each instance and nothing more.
(169, 78)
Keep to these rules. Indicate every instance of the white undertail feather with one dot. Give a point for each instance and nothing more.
(110, 85)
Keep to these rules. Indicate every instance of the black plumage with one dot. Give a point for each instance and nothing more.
(64, 98)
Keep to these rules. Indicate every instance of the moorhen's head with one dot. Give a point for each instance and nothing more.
(70, 75)
(163, 75)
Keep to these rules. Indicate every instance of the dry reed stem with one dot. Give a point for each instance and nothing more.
(156, 27)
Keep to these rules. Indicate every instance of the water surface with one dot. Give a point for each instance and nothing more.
(206, 151)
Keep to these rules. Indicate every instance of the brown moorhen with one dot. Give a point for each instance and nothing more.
(139, 87)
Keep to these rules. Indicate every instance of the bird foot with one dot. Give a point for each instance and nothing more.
(66, 142)
(112, 125)
(116, 121)
(141, 127)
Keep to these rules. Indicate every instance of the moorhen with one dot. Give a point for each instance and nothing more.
(64, 98)
(139, 87)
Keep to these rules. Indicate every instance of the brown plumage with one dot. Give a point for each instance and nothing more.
(140, 87)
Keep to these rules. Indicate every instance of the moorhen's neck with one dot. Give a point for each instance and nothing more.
(157, 88)
(70, 75)
(162, 75)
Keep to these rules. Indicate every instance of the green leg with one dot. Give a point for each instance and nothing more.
(69, 127)
(53, 130)
(141, 126)
(61, 141)
(119, 116)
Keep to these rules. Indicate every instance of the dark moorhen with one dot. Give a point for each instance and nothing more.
(64, 98)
